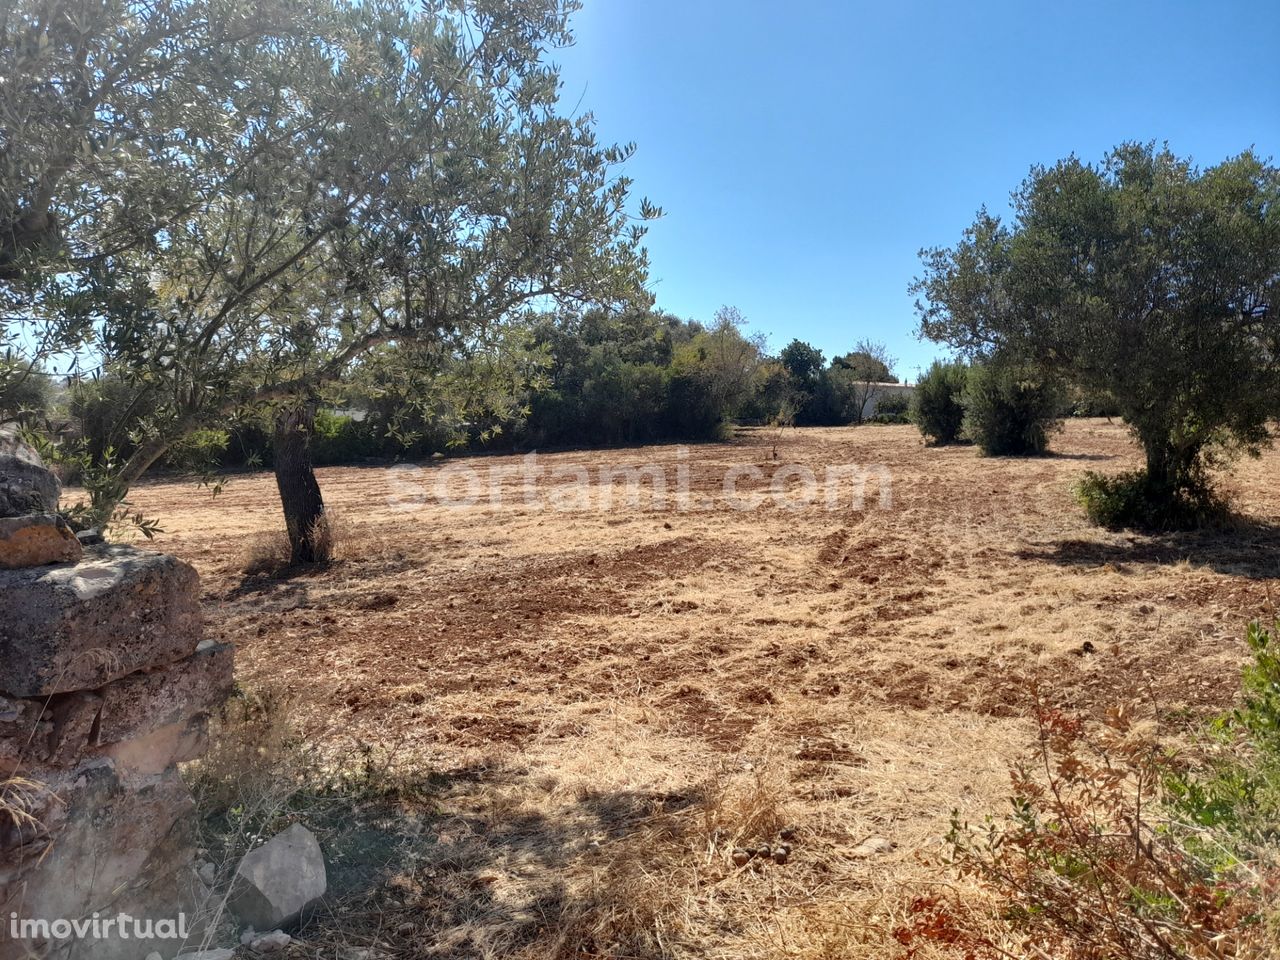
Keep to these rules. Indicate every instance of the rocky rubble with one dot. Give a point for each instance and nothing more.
(105, 686)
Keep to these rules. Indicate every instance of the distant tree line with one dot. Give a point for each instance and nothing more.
(594, 378)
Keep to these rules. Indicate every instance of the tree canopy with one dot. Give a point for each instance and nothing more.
(1143, 278)
(230, 203)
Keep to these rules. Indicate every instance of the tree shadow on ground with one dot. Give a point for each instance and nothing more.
(479, 862)
(1250, 548)
(282, 588)
(1090, 457)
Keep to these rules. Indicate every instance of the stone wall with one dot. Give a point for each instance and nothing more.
(106, 685)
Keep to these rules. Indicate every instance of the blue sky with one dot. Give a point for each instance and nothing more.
(805, 152)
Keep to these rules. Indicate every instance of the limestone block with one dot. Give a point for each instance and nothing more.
(135, 705)
(77, 627)
(37, 540)
(26, 485)
(160, 749)
(65, 729)
(276, 882)
(130, 833)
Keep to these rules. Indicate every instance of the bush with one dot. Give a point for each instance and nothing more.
(1082, 403)
(893, 408)
(936, 406)
(1132, 501)
(107, 412)
(25, 391)
(337, 438)
(692, 413)
(1009, 410)
(1118, 848)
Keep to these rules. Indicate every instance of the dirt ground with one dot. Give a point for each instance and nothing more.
(602, 699)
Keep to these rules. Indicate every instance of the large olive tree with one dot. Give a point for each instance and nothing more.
(372, 174)
(1144, 278)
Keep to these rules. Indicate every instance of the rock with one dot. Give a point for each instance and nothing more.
(872, 846)
(92, 815)
(208, 874)
(77, 627)
(270, 942)
(160, 749)
(26, 484)
(276, 883)
(145, 701)
(91, 537)
(131, 719)
(154, 955)
(36, 540)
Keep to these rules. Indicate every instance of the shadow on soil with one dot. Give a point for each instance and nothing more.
(474, 863)
(1249, 548)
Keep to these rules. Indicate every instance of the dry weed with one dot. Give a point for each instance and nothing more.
(265, 553)
(332, 533)
(20, 798)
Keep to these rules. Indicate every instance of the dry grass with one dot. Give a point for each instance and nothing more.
(265, 553)
(268, 553)
(574, 717)
(20, 799)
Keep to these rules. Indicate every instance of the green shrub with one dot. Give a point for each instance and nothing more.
(1080, 403)
(337, 438)
(1117, 847)
(1237, 793)
(1131, 501)
(108, 411)
(26, 391)
(692, 413)
(936, 406)
(1009, 410)
(893, 408)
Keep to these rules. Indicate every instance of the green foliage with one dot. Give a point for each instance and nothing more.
(937, 406)
(264, 196)
(1133, 500)
(1236, 792)
(1009, 410)
(638, 377)
(811, 391)
(867, 361)
(337, 438)
(25, 390)
(103, 507)
(107, 412)
(771, 399)
(1260, 715)
(1116, 847)
(803, 361)
(1144, 279)
(892, 409)
(1080, 403)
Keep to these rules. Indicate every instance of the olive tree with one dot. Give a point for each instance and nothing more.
(383, 174)
(1143, 278)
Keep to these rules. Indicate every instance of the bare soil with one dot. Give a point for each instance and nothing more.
(600, 703)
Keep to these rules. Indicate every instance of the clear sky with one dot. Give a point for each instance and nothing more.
(804, 152)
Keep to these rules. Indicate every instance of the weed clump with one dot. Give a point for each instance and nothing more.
(1133, 500)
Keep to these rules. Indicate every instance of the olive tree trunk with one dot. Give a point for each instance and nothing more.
(299, 491)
